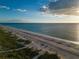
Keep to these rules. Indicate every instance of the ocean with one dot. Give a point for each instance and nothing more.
(68, 31)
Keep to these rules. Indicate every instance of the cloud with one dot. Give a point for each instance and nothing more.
(21, 10)
(65, 7)
(4, 7)
(7, 8)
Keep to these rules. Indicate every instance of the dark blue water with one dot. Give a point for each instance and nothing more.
(64, 31)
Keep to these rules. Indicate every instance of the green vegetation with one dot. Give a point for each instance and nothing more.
(27, 53)
(49, 56)
(24, 41)
(7, 41)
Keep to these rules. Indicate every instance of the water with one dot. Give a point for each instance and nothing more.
(65, 31)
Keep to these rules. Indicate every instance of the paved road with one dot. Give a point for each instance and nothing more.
(64, 48)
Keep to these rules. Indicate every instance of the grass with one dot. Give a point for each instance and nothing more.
(49, 56)
(7, 42)
(27, 53)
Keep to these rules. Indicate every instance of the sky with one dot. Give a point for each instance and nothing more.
(39, 11)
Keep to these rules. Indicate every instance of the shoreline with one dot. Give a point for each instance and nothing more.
(60, 45)
(39, 34)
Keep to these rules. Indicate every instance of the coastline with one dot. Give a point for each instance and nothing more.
(48, 43)
(32, 46)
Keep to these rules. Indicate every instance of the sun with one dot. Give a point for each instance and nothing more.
(77, 11)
